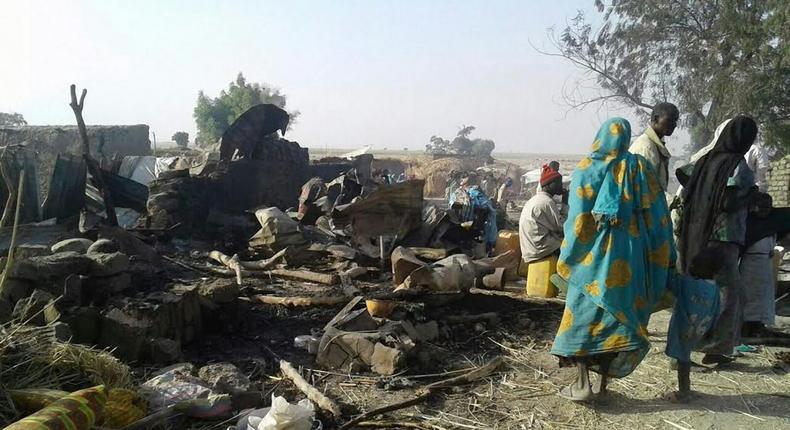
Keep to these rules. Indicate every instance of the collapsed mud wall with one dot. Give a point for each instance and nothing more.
(49, 140)
(231, 188)
(779, 182)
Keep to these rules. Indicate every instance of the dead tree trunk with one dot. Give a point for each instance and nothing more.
(93, 167)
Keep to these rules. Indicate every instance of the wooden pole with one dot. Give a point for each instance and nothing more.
(93, 166)
(10, 261)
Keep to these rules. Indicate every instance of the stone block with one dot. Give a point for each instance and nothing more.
(173, 314)
(225, 378)
(123, 332)
(108, 264)
(100, 288)
(220, 291)
(163, 350)
(386, 360)
(50, 269)
(26, 251)
(77, 245)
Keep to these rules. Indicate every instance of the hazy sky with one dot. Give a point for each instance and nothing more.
(386, 73)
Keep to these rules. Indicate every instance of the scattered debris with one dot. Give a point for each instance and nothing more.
(311, 392)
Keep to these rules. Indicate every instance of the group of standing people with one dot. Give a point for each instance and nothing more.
(623, 259)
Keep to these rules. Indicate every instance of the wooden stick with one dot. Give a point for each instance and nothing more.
(389, 408)
(388, 425)
(93, 166)
(10, 260)
(304, 275)
(311, 392)
(300, 301)
(231, 263)
(471, 376)
(263, 264)
(474, 375)
(519, 297)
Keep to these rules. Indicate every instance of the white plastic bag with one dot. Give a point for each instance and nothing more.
(285, 416)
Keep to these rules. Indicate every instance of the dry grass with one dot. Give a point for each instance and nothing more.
(751, 394)
(31, 357)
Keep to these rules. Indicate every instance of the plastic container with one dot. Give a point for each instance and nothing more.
(539, 277)
(507, 240)
(380, 308)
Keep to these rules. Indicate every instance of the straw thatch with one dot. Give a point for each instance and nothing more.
(31, 357)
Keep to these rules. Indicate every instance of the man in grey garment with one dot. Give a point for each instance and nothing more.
(540, 226)
(663, 121)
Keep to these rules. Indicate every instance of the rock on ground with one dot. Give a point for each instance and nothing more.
(77, 245)
(103, 246)
(220, 291)
(45, 270)
(386, 360)
(225, 377)
(108, 264)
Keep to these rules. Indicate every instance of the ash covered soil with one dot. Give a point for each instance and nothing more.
(754, 392)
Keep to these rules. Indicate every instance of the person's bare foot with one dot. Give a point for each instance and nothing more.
(680, 397)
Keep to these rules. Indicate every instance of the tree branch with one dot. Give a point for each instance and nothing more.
(93, 166)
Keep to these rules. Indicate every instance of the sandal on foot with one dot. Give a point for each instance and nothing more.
(571, 394)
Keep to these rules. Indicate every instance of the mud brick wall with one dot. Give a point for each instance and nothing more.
(273, 179)
(47, 141)
(779, 182)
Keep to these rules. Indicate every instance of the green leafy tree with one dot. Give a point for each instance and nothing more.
(214, 115)
(461, 144)
(12, 119)
(714, 59)
(181, 138)
(437, 145)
